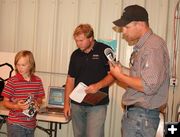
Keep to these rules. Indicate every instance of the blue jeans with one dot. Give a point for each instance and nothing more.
(88, 121)
(139, 122)
(19, 131)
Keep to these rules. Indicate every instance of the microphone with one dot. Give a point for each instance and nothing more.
(110, 55)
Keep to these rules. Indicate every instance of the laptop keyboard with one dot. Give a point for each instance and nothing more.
(52, 110)
(55, 110)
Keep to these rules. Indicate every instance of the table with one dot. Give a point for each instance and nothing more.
(53, 119)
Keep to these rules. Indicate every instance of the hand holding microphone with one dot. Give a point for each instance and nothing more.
(110, 55)
(115, 66)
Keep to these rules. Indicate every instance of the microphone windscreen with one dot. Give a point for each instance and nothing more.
(110, 54)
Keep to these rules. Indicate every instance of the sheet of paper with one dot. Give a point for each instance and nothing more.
(78, 93)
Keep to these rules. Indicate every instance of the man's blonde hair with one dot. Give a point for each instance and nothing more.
(85, 29)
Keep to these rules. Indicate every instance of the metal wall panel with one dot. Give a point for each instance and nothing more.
(25, 24)
(8, 17)
(46, 27)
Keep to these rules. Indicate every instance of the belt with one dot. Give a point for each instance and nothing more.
(139, 107)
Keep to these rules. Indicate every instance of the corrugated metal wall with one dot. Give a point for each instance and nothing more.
(46, 26)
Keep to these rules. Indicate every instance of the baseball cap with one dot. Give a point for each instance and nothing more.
(132, 13)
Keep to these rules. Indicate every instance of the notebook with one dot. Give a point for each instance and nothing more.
(55, 101)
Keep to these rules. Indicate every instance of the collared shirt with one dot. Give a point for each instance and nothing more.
(17, 88)
(151, 64)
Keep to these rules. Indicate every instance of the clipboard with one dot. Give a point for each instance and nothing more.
(94, 99)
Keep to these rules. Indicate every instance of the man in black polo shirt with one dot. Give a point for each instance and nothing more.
(89, 65)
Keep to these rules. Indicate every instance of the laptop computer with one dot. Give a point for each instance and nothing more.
(55, 101)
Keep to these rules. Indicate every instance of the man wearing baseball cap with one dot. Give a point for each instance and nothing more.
(148, 77)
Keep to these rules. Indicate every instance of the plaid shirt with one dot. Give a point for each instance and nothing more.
(150, 62)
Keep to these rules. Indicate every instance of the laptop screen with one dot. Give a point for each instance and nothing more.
(56, 97)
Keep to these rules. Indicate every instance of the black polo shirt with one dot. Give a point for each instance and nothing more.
(90, 67)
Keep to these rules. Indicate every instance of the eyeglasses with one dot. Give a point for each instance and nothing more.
(133, 56)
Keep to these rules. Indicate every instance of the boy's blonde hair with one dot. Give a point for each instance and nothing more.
(25, 53)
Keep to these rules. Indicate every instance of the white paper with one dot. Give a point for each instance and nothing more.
(78, 93)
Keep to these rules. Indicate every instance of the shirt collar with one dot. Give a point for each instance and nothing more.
(20, 77)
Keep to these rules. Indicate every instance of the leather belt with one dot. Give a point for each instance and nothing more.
(134, 106)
